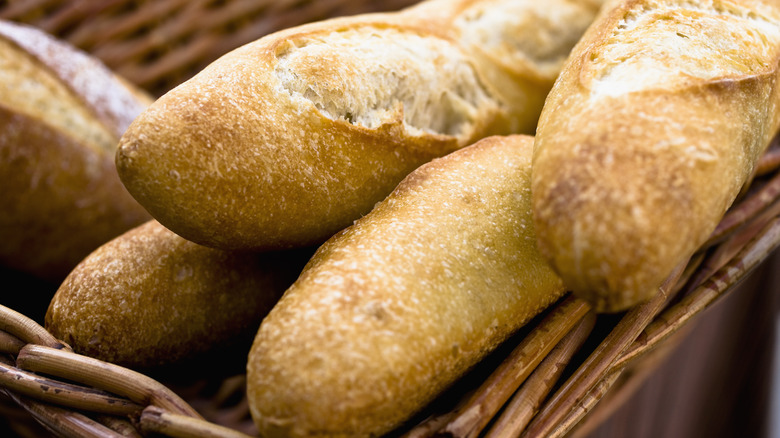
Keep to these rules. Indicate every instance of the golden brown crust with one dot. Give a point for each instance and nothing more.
(287, 140)
(392, 310)
(61, 198)
(648, 136)
(111, 101)
(61, 114)
(149, 297)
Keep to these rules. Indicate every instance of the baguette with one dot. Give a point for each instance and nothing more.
(149, 298)
(61, 114)
(286, 140)
(649, 134)
(392, 310)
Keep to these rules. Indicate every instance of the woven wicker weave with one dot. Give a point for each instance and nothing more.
(158, 44)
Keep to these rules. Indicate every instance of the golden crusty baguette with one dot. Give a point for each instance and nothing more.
(61, 115)
(286, 140)
(392, 310)
(149, 297)
(650, 133)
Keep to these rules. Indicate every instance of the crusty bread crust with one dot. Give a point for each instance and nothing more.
(395, 308)
(648, 136)
(149, 298)
(61, 114)
(61, 198)
(287, 140)
(91, 86)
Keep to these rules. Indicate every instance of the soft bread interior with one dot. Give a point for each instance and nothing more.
(698, 40)
(524, 32)
(29, 88)
(372, 76)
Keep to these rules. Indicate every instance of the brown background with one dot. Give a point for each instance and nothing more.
(718, 381)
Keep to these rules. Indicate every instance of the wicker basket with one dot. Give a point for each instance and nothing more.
(563, 374)
(158, 44)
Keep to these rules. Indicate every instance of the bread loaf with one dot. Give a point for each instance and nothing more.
(392, 310)
(61, 116)
(149, 298)
(288, 139)
(647, 137)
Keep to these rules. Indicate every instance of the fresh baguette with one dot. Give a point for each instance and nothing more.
(650, 133)
(286, 140)
(150, 298)
(61, 116)
(392, 310)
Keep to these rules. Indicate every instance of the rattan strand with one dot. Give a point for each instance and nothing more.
(528, 399)
(64, 394)
(88, 371)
